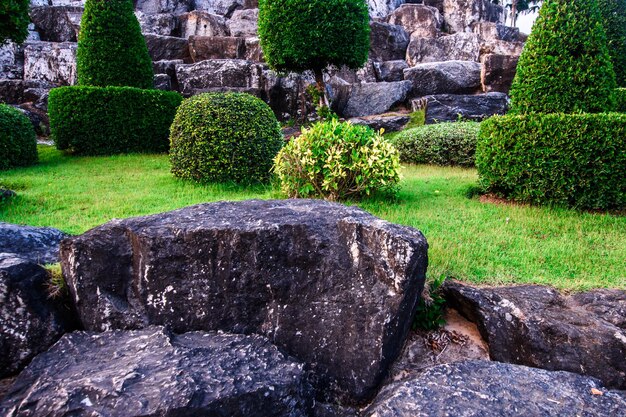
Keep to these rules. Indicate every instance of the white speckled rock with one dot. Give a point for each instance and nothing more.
(50, 61)
(151, 372)
(331, 285)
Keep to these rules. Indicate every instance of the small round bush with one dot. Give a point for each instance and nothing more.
(18, 143)
(111, 49)
(219, 137)
(336, 161)
(565, 66)
(439, 144)
(571, 160)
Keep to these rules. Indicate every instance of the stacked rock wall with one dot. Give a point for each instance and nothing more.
(212, 45)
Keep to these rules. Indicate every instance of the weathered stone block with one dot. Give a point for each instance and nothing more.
(444, 77)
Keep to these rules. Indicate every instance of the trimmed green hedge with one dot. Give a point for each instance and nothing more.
(18, 143)
(565, 66)
(110, 120)
(223, 137)
(439, 144)
(620, 100)
(111, 49)
(573, 160)
(614, 21)
(14, 20)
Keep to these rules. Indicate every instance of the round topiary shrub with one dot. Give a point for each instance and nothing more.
(565, 66)
(614, 20)
(88, 120)
(219, 137)
(111, 49)
(18, 143)
(335, 161)
(572, 160)
(439, 144)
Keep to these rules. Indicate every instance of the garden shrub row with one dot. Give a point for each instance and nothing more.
(439, 144)
(337, 161)
(573, 160)
(88, 120)
(18, 143)
(224, 137)
(620, 100)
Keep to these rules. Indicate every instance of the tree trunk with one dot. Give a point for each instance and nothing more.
(321, 87)
(514, 13)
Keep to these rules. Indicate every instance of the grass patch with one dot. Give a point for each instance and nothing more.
(469, 240)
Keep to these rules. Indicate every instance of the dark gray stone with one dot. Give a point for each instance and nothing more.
(449, 107)
(151, 372)
(167, 48)
(387, 42)
(492, 389)
(389, 122)
(329, 284)
(219, 75)
(497, 72)
(162, 82)
(451, 77)
(5, 194)
(30, 322)
(381, 8)
(37, 244)
(390, 71)
(459, 47)
(366, 99)
(163, 6)
(490, 31)
(57, 23)
(38, 118)
(221, 7)
(20, 91)
(50, 61)
(163, 24)
(11, 62)
(536, 326)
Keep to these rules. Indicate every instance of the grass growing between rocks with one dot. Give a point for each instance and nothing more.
(469, 240)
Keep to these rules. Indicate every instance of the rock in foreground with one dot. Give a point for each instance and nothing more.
(37, 244)
(30, 322)
(329, 284)
(492, 389)
(149, 372)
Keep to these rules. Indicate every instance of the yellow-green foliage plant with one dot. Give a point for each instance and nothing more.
(337, 161)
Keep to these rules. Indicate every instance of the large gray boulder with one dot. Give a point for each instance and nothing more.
(198, 23)
(163, 6)
(449, 107)
(151, 372)
(164, 24)
(490, 31)
(37, 244)
(221, 7)
(11, 61)
(444, 77)
(536, 326)
(30, 322)
(463, 15)
(331, 285)
(366, 99)
(21, 91)
(387, 42)
(244, 23)
(497, 72)
(167, 48)
(219, 75)
(381, 8)
(50, 61)
(57, 23)
(460, 46)
(390, 70)
(418, 20)
(492, 389)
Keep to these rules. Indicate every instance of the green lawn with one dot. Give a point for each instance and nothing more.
(469, 240)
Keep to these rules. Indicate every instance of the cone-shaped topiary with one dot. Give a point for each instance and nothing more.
(565, 66)
(14, 20)
(614, 19)
(299, 35)
(111, 48)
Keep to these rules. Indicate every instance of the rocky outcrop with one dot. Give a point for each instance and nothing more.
(151, 372)
(497, 72)
(331, 285)
(451, 107)
(37, 244)
(390, 71)
(489, 31)
(362, 99)
(387, 42)
(167, 47)
(57, 23)
(492, 389)
(11, 61)
(418, 20)
(197, 23)
(163, 24)
(441, 77)
(50, 61)
(536, 326)
(243, 23)
(463, 15)
(221, 7)
(381, 8)
(30, 322)
(203, 48)
(458, 47)
(163, 6)
(220, 75)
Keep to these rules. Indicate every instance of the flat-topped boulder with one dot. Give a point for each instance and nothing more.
(365, 99)
(492, 389)
(460, 47)
(444, 77)
(418, 20)
(152, 372)
(37, 244)
(477, 107)
(219, 75)
(331, 285)
(387, 42)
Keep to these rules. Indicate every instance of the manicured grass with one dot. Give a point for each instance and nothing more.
(469, 240)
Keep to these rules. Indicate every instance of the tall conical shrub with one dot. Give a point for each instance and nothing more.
(614, 19)
(565, 66)
(111, 48)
